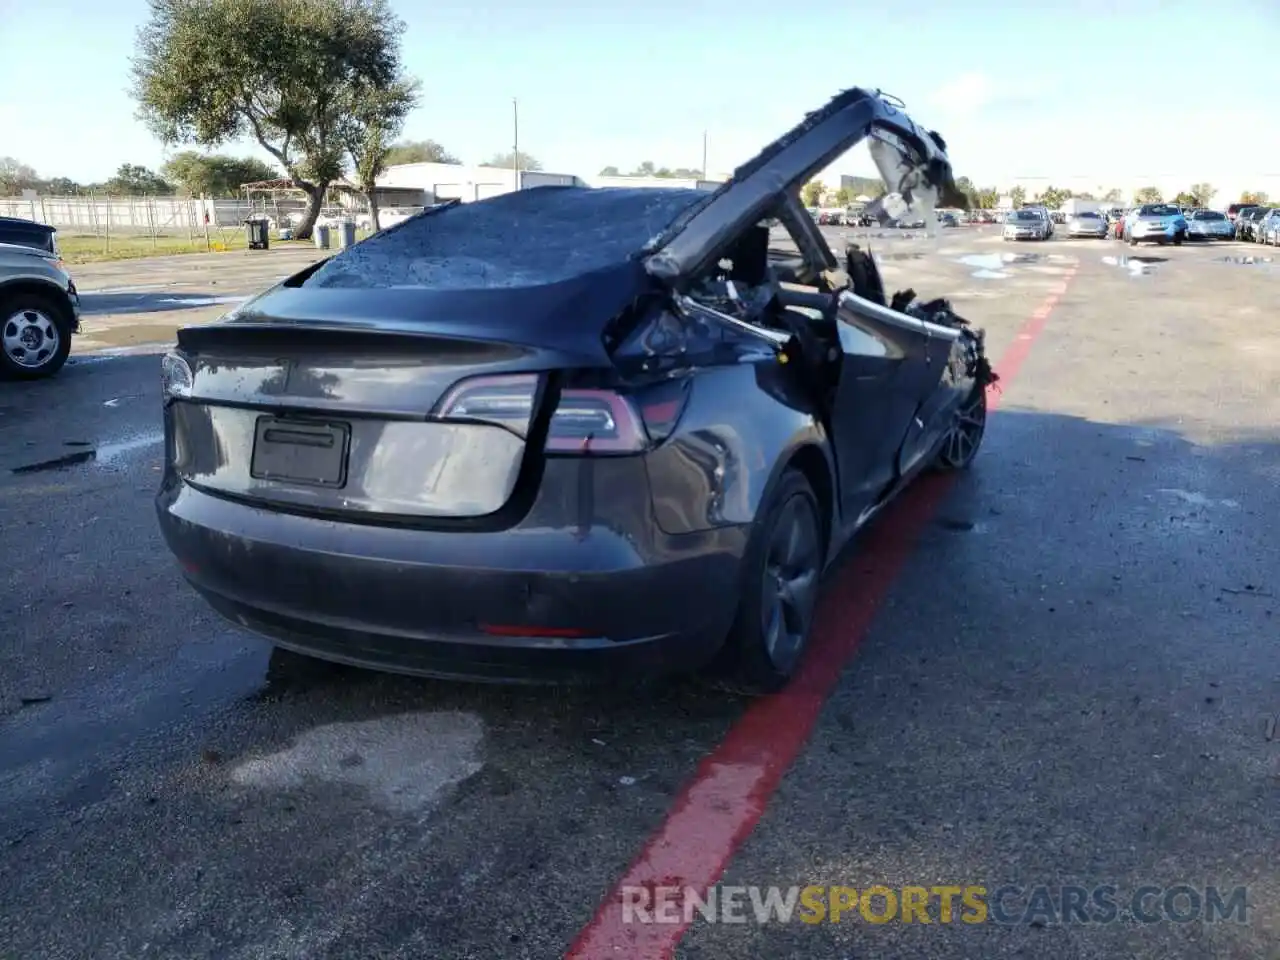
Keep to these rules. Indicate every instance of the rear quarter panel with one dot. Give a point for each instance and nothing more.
(742, 426)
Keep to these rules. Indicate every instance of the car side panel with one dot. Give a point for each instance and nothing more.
(741, 426)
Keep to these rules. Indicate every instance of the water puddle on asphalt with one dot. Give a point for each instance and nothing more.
(1137, 266)
(407, 761)
(88, 452)
(994, 266)
(110, 452)
(1247, 261)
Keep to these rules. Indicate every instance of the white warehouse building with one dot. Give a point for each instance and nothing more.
(421, 184)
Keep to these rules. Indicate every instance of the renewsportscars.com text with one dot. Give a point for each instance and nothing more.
(970, 904)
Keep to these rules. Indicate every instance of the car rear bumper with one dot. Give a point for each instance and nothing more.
(1157, 233)
(523, 605)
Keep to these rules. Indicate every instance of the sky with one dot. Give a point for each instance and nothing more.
(1117, 91)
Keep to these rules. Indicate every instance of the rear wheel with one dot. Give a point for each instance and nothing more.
(964, 438)
(780, 579)
(35, 336)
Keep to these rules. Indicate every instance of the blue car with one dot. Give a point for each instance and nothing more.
(1155, 222)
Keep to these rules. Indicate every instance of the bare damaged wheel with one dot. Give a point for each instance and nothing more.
(964, 438)
(35, 337)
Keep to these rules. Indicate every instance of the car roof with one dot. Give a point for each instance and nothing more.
(22, 223)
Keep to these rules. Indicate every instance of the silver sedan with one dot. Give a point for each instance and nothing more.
(1209, 225)
(1086, 223)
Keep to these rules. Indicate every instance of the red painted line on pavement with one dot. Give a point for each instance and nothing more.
(720, 807)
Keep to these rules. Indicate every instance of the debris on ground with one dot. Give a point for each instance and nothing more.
(1249, 591)
(57, 463)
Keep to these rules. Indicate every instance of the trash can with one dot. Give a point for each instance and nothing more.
(256, 231)
(346, 233)
(321, 233)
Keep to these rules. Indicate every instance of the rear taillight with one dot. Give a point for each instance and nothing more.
(586, 422)
(506, 401)
(595, 421)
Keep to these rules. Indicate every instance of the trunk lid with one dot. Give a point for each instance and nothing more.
(343, 401)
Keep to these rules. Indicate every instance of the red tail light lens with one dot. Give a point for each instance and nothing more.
(595, 421)
(506, 401)
(586, 422)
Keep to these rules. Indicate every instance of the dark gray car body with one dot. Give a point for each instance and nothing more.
(443, 544)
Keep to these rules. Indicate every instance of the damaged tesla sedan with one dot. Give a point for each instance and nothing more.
(570, 430)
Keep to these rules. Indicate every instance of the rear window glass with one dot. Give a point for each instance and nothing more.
(1159, 210)
(1210, 215)
(33, 235)
(525, 238)
(1026, 215)
(1087, 215)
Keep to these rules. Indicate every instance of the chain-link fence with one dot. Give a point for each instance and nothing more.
(95, 224)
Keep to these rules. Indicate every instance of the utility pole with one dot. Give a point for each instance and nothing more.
(704, 155)
(515, 140)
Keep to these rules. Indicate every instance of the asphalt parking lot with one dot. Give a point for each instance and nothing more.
(1058, 670)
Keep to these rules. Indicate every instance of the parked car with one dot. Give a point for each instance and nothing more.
(1234, 210)
(1155, 223)
(39, 304)
(1086, 223)
(1209, 225)
(28, 233)
(638, 454)
(946, 220)
(1247, 222)
(1268, 228)
(1025, 225)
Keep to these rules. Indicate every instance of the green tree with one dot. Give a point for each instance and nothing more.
(987, 198)
(16, 177)
(1114, 195)
(1204, 193)
(61, 187)
(134, 180)
(812, 192)
(1053, 198)
(1186, 199)
(1017, 196)
(965, 186)
(508, 161)
(212, 71)
(1084, 195)
(419, 151)
(610, 172)
(844, 196)
(1254, 196)
(1147, 195)
(213, 174)
(374, 118)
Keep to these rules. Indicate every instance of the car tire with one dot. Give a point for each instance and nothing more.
(964, 438)
(779, 594)
(33, 324)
